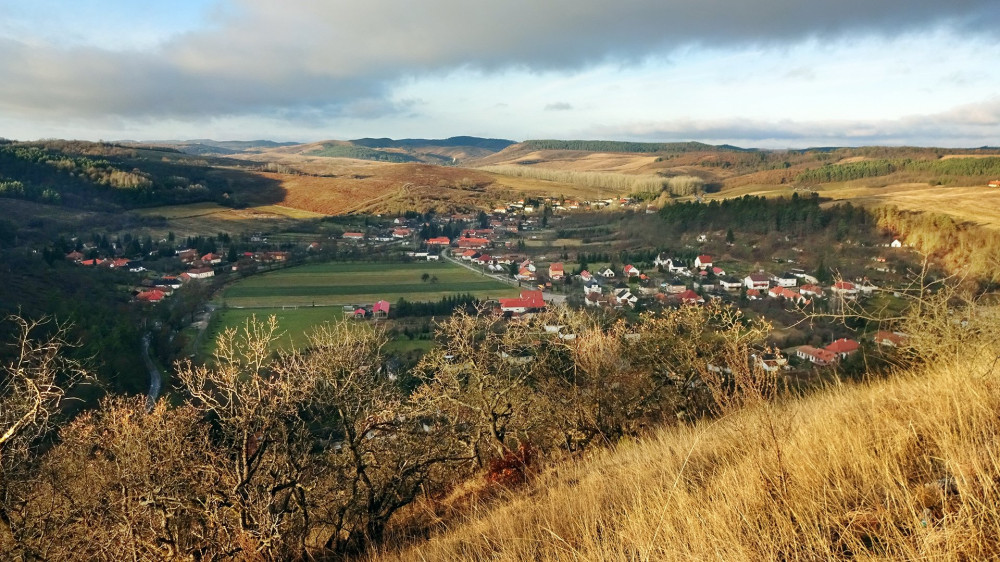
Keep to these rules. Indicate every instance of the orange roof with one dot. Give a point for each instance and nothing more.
(843, 345)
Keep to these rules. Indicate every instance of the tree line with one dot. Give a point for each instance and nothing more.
(760, 215)
(988, 167)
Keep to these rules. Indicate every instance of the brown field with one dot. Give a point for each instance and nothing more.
(208, 219)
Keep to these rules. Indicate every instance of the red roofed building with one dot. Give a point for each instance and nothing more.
(75, 256)
(401, 232)
(211, 259)
(201, 273)
(757, 281)
(154, 295)
(381, 309)
(631, 271)
(891, 339)
(816, 356)
(353, 236)
(843, 347)
(845, 289)
(529, 301)
(473, 243)
(690, 297)
(702, 262)
(811, 290)
(439, 241)
(556, 271)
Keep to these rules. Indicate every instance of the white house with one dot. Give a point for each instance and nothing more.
(759, 281)
(607, 273)
(624, 296)
(785, 280)
(592, 287)
(703, 261)
(896, 244)
(730, 284)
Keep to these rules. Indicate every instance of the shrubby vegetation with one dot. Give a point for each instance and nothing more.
(900, 469)
(313, 453)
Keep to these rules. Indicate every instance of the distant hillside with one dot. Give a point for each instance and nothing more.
(360, 153)
(494, 145)
(209, 146)
(619, 146)
(448, 151)
(103, 176)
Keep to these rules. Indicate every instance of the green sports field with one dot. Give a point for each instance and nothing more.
(331, 284)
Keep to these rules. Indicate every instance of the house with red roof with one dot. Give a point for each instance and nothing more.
(690, 297)
(211, 259)
(843, 347)
(473, 243)
(529, 301)
(75, 256)
(759, 281)
(703, 261)
(401, 232)
(439, 241)
(890, 339)
(556, 271)
(845, 289)
(586, 275)
(381, 309)
(153, 295)
(631, 271)
(356, 236)
(811, 290)
(815, 355)
(525, 274)
(201, 273)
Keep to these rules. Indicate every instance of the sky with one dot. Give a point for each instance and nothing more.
(755, 73)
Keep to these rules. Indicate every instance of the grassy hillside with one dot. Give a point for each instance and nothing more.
(902, 469)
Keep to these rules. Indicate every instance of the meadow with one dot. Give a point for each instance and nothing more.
(331, 284)
(294, 327)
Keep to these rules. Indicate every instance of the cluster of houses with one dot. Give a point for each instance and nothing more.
(688, 285)
(377, 311)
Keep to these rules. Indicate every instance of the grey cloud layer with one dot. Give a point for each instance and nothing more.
(961, 126)
(270, 57)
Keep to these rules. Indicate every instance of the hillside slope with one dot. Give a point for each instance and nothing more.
(902, 469)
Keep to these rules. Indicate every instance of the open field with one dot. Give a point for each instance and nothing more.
(359, 283)
(294, 325)
(210, 218)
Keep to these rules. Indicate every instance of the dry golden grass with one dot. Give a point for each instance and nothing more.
(904, 469)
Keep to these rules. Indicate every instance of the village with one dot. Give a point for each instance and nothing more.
(554, 250)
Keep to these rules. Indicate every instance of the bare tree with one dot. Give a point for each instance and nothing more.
(33, 387)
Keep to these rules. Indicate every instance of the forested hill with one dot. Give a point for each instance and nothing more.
(101, 175)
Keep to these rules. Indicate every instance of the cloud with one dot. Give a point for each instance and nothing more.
(343, 58)
(559, 106)
(965, 125)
